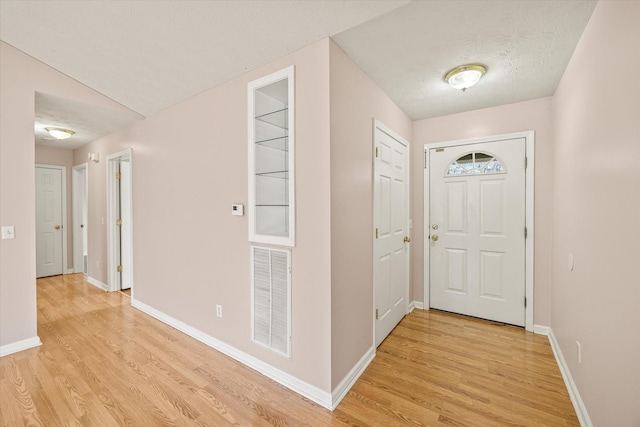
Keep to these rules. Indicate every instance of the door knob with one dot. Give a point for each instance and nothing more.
(407, 239)
(434, 226)
(434, 237)
(57, 227)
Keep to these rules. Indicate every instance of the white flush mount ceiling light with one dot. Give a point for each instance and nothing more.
(465, 76)
(59, 133)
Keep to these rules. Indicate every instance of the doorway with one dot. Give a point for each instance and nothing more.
(80, 216)
(391, 234)
(51, 220)
(120, 224)
(478, 226)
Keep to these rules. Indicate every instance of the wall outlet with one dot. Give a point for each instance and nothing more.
(219, 310)
(579, 351)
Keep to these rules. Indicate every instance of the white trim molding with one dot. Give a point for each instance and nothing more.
(15, 347)
(313, 393)
(350, 379)
(97, 283)
(578, 404)
(418, 304)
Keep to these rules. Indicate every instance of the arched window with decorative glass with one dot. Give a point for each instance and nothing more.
(477, 163)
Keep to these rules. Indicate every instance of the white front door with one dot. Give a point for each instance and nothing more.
(391, 281)
(49, 227)
(477, 230)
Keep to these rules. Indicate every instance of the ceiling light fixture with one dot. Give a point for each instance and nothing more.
(59, 133)
(465, 76)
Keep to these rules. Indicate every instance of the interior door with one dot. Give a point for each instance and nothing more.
(391, 239)
(126, 276)
(477, 230)
(48, 222)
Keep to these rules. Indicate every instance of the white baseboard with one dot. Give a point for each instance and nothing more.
(97, 283)
(350, 379)
(578, 404)
(15, 347)
(70, 271)
(541, 330)
(307, 390)
(418, 304)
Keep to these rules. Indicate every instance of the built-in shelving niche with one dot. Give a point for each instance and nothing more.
(271, 159)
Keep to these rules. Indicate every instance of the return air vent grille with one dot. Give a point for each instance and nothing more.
(271, 313)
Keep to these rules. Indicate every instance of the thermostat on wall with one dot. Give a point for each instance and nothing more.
(237, 210)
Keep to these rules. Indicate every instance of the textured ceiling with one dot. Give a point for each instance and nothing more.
(148, 55)
(87, 121)
(526, 46)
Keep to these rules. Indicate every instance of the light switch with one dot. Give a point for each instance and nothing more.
(8, 232)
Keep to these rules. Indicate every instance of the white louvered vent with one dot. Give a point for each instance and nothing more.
(270, 305)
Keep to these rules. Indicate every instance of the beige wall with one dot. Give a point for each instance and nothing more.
(523, 116)
(355, 103)
(20, 77)
(189, 166)
(596, 214)
(61, 157)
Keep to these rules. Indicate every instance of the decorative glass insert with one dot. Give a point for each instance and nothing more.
(476, 164)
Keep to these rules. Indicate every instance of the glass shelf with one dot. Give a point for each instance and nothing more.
(274, 174)
(278, 143)
(278, 118)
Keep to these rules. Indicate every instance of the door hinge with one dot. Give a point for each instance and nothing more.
(118, 175)
(526, 162)
(377, 314)
(119, 269)
(526, 232)
(377, 152)
(376, 233)
(425, 159)
(525, 302)
(119, 222)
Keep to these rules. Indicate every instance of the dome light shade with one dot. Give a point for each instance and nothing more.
(59, 133)
(465, 76)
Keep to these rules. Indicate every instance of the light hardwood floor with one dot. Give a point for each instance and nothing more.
(104, 363)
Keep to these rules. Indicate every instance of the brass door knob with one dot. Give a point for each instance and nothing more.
(434, 237)
(57, 227)
(407, 239)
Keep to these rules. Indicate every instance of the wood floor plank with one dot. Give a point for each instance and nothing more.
(104, 363)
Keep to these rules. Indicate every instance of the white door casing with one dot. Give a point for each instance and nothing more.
(50, 220)
(481, 263)
(391, 221)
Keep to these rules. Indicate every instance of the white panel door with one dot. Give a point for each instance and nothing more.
(391, 222)
(48, 222)
(477, 230)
